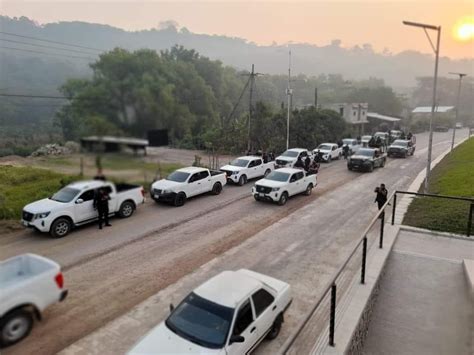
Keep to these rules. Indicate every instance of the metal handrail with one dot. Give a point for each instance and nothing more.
(290, 341)
(461, 198)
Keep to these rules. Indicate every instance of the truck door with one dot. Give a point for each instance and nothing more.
(245, 326)
(193, 186)
(84, 207)
(265, 311)
(257, 168)
(205, 182)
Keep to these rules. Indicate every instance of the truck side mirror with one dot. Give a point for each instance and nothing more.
(236, 339)
(79, 201)
(171, 307)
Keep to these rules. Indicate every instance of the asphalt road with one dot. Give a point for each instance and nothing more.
(162, 248)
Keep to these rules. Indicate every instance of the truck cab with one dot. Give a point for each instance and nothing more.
(290, 157)
(367, 159)
(242, 169)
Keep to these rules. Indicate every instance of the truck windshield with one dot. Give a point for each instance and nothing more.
(65, 195)
(239, 162)
(178, 176)
(290, 154)
(325, 147)
(366, 152)
(278, 176)
(400, 143)
(201, 321)
(347, 141)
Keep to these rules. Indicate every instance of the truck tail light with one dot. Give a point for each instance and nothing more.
(59, 278)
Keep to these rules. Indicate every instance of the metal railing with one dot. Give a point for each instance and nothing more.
(332, 284)
(454, 198)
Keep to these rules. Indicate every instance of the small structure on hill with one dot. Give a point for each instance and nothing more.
(111, 144)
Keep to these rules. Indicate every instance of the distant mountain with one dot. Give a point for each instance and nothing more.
(360, 62)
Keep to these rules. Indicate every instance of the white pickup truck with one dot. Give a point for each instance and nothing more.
(290, 156)
(73, 206)
(229, 314)
(29, 283)
(352, 144)
(328, 152)
(245, 168)
(279, 185)
(187, 182)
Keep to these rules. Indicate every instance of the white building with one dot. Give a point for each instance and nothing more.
(353, 113)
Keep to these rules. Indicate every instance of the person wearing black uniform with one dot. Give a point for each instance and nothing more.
(381, 197)
(307, 162)
(299, 164)
(345, 150)
(101, 203)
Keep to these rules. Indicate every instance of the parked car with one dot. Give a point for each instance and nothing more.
(283, 183)
(73, 206)
(328, 152)
(242, 169)
(230, 314)
(290, 156)
(352, 143)
(187, 182)
(367, 159)
(29, 284)
(401, 148)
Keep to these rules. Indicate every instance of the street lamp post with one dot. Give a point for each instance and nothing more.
(433, 106)
(461, 75)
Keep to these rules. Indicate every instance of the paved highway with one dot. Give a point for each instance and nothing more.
(168, 249)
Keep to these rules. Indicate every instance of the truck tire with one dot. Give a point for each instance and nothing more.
(283, 198)
(15, 326)
(405, 155)
(308, 190)
(180, 199)
(349, 167)
(256, 198)
(60, 227)
(268, 171)
(242, 180)
(126, 209)
(371, 167)
(217, 188)
(329, 158)
(276, 327)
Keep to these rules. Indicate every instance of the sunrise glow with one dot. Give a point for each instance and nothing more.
(464, 30)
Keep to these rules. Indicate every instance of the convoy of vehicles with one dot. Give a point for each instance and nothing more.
(29, 284)
(367, 159)
(73, 206)
(283, 183)
(352, 143)
(187, 182)
(229, 314)
(401, 148)
(328, 151)
(242, 169)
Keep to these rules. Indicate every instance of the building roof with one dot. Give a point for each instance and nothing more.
(378, 116)
(117, 140)
(427, 109)
(228, 288)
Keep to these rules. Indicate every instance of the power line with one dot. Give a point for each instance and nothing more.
(46, 53)
(49, 41)
(45, 46)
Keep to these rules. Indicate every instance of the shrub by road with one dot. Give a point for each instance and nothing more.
(453, 176)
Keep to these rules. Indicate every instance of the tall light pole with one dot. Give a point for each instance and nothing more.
(289, 92)
(433, 106)
(461, 75)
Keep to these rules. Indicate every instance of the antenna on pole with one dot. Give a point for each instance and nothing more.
(289, 94)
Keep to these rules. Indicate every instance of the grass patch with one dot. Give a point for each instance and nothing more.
(453, 176)
(22, 185)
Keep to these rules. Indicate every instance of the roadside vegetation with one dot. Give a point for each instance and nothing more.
(21, 185)
(453, 176)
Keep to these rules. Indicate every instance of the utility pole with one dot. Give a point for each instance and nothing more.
(426, 27)
(289, 94)
(461, 75)
(315, 97)
(251, 81)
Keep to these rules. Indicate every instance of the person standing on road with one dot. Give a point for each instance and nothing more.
(101, 203)
(345, 150)
(382, 195)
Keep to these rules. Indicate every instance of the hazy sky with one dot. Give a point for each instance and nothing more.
(318, 22)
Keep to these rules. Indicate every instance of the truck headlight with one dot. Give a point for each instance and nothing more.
(276, 189)
(42, 215)
(167, 191)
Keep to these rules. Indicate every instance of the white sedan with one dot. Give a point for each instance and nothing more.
(229, 314)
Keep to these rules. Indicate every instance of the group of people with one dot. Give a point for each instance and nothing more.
(266, 157)
(311, 166)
